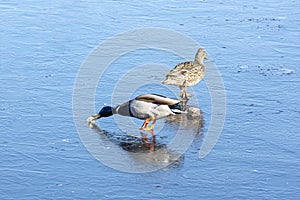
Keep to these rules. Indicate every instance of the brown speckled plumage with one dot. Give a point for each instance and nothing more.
(189, 73)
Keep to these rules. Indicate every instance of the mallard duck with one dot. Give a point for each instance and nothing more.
(187, 73)
(148, 107)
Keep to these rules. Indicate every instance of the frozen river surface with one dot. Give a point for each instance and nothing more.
(255, 46)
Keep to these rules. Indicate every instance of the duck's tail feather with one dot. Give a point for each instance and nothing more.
(176, 108)
(176, 111)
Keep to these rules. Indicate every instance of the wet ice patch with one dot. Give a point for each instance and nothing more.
(265, 23)
(65, 140)
(287, 71)
(265, 70)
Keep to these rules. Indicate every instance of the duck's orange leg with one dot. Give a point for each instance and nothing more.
(151, 128)
(145, 124)
(153, 123)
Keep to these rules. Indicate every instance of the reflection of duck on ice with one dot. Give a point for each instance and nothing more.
(150, 107)
(150, 155)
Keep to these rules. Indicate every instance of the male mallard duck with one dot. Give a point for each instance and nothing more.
(187, 73)
(148, 107)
